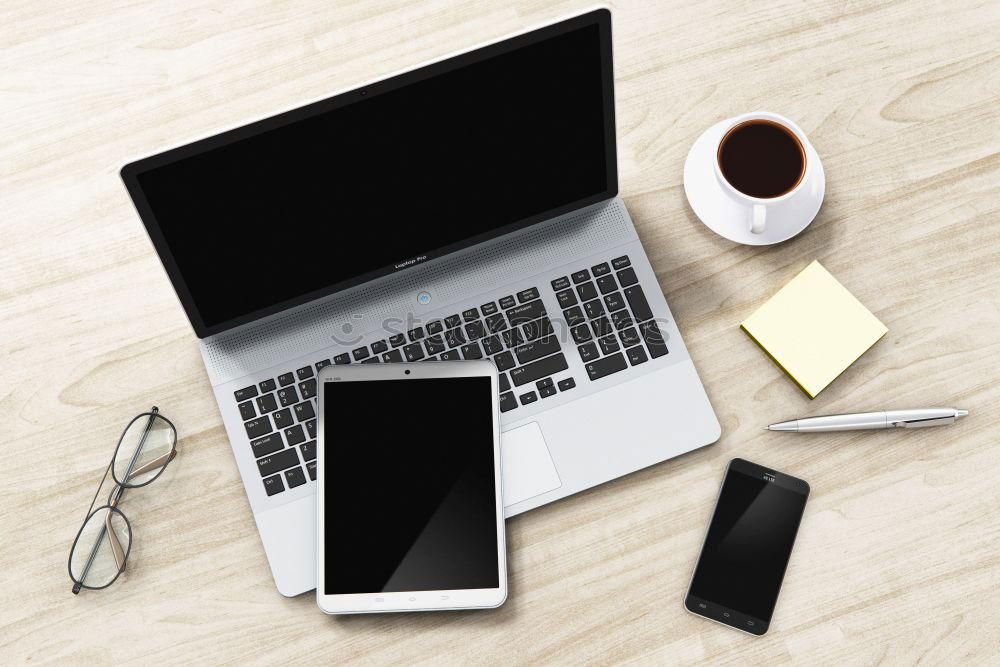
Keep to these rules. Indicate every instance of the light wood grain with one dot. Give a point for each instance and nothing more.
(898, 557)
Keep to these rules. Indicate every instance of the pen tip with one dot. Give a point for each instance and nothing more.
(961, 413)
(767, 428)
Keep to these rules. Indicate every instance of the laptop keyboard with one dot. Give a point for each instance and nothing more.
(604, 308)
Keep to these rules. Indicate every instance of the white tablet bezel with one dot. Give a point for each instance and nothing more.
(361, 603)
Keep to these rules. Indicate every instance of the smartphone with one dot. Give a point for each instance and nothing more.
(746, 551)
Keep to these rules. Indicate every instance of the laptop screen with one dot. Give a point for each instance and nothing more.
(384, 177)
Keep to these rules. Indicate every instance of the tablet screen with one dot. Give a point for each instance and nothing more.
(410, 503)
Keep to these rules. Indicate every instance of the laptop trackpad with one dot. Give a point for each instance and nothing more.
(527, 465)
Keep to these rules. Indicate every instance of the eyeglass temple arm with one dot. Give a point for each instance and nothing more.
(158, 462)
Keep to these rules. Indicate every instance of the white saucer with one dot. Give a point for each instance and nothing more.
(729, 218)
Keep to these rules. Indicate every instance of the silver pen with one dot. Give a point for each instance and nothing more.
(871, 420)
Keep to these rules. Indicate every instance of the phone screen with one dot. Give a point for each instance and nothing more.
(748, 545)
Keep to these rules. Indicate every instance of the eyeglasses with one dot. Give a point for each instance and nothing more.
(102, 545)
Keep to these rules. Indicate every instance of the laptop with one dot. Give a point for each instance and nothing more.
(467, 209)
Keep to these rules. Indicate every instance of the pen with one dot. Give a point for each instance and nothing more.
(871, 420)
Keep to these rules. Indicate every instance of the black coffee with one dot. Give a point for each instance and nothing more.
(761, 159)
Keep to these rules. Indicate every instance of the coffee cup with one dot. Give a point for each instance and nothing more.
(755, 178)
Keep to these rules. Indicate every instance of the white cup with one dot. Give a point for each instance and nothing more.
(745, 218)
(756, 206)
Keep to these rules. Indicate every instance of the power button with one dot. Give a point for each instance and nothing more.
(424, 298)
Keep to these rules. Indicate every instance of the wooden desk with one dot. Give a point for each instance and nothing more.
(897, 559)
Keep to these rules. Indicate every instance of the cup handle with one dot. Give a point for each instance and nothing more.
(757, 216)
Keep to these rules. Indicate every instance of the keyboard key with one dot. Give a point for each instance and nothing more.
(470, 315)
(434, 345)
(266, 403)
(504, 361)
(304, 411)
(288, 396)
(450, 355)
(602, 327)
(637, 300)
(342, 359)
(528, 294)
(245, 393)
(435, 327)
(321, 363)
(654, 338)
(307, 389)
(504, 382)
(492, 345)
(496, 323)
(397, 340)
(507, 302)
(266, 445)
(560, 284)
(622, 319)
(627, 277)
(311, 468)
(247, 411)
(507, 402)
(538, 329)
(413, 352)
(269, 465)
(581, 333)
(600, 270)
(360, 353)
(574, 316)
(454, 337)
(636, 355)
(607, 284)
(295, 477)
(452, 321)
(588, 352)
(380, 346)
(530, 397)
(614, 301)
(545, 392)
(286, 379)
(311, 428)
(512, 338)
(472, 351)
(308, 450)
(283, 418)
(541, 384)
(526, 313)
(536, 350)
(371, 360)
(305, 372)
(258, 427)
(415, 334)
(629, 337)
(566, 298)
(488, 308)
(273, 485)
(392, 357)
(620, 262)
(475, 330)
(431, 359)
(609, 344)
(606, 366)
(587, 291)
(294, 435)
(594, 308)
(580, 276)
(538, 369)
(566, 384)
(266, 386)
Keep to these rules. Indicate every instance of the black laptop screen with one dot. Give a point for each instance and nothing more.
(382, 178)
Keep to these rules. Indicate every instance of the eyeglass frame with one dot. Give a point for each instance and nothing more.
(120, 555)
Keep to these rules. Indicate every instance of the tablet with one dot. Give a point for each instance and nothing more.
(408, 505)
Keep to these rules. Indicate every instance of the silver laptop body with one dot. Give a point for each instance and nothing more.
(592, 406)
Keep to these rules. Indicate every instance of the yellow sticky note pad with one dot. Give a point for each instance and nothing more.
(814, 328)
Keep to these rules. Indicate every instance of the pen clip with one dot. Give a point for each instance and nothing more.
(920, 423)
